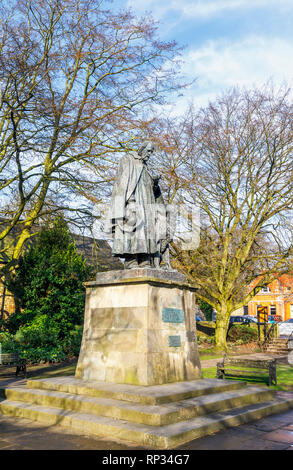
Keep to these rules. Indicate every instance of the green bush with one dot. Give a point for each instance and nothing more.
(49, 292)
(32, 344)
(44, 354)
(41, 332)
(241, 334)
(8, 343)
(73, 341)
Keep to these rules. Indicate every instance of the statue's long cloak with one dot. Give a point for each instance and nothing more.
(132, 212)
(128, 174)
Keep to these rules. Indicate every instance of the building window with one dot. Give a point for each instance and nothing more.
(265, 289)
(273, 310)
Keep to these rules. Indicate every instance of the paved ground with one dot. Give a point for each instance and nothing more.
(272, 433)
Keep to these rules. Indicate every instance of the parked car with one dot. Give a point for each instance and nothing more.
(251, 318)
(274, 318)
(286, 327)
(243, 319)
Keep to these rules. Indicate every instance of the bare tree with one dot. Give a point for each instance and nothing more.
(75, 80)
(234, 160)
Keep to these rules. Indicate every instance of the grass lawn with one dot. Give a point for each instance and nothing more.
(284, 377)
(284, 373)
(205, 354)
(233, 350)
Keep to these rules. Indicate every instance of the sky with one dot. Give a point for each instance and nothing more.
(227, 42)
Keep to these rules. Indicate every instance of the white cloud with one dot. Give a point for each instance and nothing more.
(201, 9)
(222, 64)
(210, 8)
(250, 60)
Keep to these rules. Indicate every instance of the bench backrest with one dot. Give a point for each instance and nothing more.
(257, 364)
(8, 358)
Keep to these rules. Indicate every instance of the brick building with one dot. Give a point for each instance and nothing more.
(277, 296)
(7, 305)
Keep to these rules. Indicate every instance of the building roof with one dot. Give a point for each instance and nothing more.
(98, 253)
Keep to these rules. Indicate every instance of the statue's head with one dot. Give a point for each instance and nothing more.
(146, 150)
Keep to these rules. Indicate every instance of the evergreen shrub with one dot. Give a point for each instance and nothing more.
(241, 334)
(50, 297)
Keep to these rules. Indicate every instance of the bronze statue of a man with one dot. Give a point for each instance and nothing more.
(138, 217)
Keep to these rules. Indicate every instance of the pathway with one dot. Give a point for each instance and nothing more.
(272, 433)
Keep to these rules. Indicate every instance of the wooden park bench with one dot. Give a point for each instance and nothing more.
(13, 360)
(233, 367)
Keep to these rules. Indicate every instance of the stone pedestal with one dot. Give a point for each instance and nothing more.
(139, 328)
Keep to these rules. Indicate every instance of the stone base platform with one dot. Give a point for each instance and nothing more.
(160, 416)
(139, 328)
(139, 275)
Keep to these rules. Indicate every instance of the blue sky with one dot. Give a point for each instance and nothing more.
(228, 42)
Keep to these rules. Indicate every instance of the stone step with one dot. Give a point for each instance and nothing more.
(164, 437)
(277, 340)
(151, 395)
(278, 343)
(153, 415)
(277, 351)
(276, 348)
(277, 354)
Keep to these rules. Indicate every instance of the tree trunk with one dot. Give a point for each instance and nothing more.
(222, 324)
